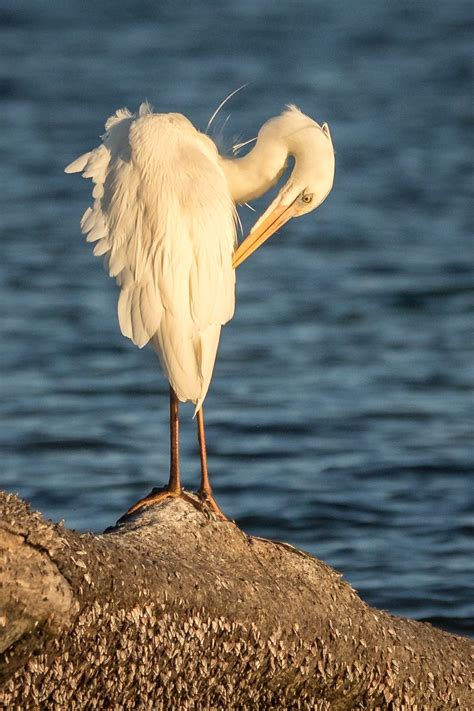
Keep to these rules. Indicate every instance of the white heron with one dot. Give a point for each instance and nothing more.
(164, 217)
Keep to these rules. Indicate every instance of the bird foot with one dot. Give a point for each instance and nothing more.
(157, 495)
(209, 502)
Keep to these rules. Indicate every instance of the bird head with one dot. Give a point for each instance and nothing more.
(309, 185)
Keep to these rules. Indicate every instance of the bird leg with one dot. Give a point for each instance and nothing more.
(173, 488)
(174, 484)
(205, 490)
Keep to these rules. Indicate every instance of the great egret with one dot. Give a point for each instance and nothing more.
(164, 217)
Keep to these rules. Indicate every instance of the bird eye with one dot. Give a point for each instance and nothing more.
(307, 197)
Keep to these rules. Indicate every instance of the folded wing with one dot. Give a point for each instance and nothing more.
(163, 218)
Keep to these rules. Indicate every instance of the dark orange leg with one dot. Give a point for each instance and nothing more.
(205, 490)
(173, 489)
(174, 484)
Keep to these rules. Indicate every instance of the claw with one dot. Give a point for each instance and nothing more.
(209, 501)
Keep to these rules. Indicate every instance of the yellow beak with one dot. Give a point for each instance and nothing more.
(262, 231)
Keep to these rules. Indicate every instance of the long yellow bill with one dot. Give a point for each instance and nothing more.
(262, 231)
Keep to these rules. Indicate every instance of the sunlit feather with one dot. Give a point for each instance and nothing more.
(165, 221)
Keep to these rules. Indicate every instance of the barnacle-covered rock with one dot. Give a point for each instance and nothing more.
(175, 609)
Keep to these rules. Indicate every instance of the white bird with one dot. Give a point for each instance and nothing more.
(164, 217)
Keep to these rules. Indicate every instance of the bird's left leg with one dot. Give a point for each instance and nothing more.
(173, 489)
(205, 490)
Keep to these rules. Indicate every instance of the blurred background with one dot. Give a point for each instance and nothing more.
(340, 413)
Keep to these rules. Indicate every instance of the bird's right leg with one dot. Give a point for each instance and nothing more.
(205, 490)
(173, 489)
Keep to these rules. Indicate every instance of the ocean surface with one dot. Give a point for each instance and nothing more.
(340, 417)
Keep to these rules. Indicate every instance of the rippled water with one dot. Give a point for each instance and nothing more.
(340, 414)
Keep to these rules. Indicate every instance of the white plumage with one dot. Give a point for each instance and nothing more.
(164, 218)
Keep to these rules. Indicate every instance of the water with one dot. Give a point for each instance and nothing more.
(340, 414)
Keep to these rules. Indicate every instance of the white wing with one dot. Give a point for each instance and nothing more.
(163, 216)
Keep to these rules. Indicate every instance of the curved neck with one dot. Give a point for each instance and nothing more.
(290, 134)
(255, 173)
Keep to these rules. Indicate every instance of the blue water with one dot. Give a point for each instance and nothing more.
(341, 411)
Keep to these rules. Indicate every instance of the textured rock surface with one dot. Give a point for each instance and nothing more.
(176, 610)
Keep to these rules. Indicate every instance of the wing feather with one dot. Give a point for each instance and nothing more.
(98, 230)
(124, 315)
(78, 165)
(102, 247)
(140, 337)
